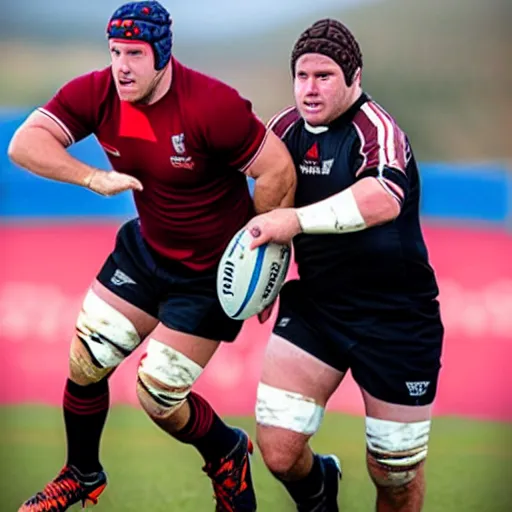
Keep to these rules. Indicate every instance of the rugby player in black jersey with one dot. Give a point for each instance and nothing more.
(366, 296)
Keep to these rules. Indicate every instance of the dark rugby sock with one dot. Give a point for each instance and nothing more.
(306, 488)
(206, 431)
(85, 412)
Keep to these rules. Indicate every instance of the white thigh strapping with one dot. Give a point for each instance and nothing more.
(397, 444)
(108, 334)
(167, 374)
(285, 409)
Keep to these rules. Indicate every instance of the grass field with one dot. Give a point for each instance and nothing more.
(469, 468)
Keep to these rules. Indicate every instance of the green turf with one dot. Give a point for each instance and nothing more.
(469, 468)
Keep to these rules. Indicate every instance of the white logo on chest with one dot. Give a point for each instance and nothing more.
(180, 160)
(320, 168)
(178, 142)
(313, 164)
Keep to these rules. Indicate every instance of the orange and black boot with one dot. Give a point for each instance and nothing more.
(231, 477)
(68, 488)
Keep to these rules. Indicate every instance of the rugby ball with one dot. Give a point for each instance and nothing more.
(249, 280)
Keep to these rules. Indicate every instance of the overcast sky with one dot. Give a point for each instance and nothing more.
(198, 19)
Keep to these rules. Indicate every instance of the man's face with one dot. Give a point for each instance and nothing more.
(133, 69)
(321, 93)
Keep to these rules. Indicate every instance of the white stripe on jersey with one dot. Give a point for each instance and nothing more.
(277, 117)
(64, 128)
(386, 141)
(385, 135)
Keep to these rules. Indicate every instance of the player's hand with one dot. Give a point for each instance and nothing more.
(110, 183)
(278, 226)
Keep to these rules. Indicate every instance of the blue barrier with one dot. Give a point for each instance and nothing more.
(467, 191)
(458, 192)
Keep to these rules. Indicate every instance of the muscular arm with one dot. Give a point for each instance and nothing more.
(39, 145)
(274, 174)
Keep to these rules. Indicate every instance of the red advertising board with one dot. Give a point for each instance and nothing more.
(45, 271)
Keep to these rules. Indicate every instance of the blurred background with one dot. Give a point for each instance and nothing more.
(443, 69)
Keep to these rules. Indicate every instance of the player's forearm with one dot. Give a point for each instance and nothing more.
(363, 205)
(37, 150)
(274, 190)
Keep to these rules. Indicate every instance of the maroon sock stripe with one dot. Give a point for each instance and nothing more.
(85, 410)
(84, 406)
(202, 413)
(81, 402)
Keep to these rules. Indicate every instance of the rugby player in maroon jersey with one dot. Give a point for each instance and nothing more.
(184, 143)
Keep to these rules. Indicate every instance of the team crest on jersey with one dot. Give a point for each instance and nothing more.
(178, 141)
(180, 160)
(313, 165)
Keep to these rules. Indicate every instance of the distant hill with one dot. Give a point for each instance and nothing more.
(442, 68)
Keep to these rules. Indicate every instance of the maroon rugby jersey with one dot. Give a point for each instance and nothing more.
(187, 149)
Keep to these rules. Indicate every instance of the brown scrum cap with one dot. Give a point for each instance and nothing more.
(333, 39)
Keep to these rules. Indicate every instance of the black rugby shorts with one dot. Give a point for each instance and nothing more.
(394, 354)
(181, 298)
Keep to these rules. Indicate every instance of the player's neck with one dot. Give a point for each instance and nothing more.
(163, 85)
(352, 98)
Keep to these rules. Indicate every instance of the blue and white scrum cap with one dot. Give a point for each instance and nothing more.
(149, 22)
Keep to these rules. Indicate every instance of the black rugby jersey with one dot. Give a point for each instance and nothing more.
(384, 266)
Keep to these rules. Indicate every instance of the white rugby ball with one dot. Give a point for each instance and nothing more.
(249, 280)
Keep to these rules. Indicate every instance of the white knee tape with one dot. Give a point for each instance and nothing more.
(279, 408)
(167, 375)
(396, 444)
(106, 332)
